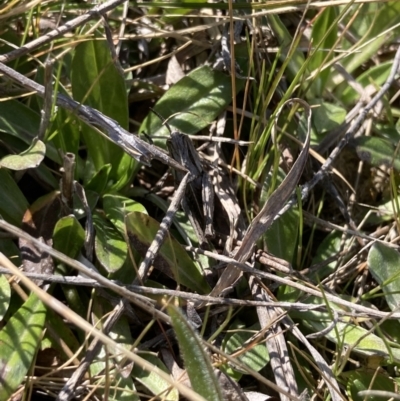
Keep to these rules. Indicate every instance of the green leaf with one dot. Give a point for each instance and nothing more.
(111, 249)
(11, 250)
(197, 362)
(98, 182)
(22, 122)
(121, 389)
(19, 340)
(330, 246)
(383, 263)
(327, 116)
(324, 35)
(362, 379)
(285, 40)
(60, 329)
(68, 236)
(377, 74)
(372, 20)
(64, 129)
(198, 98)
(287, 226)
(256, 357)
(92, 199)
(376, 151)
(154, 383)
(12, 202)
(96, 82)
(120, 333)
(5, 295)
(19, 120)
(116, 208)
(275, 238)
(30, 158)
(173, 260)
(347, 334)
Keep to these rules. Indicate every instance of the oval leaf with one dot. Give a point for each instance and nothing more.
(12, 201)
(68, 236)
(99, 181)
(30, 158)
(362, 380)
(117, 207)
(346, 333)
(383, 263)
(197, 362)
(256, 357)
(19, 340)
(377, 151)
(327, 116)
(97, 83)
(152, 381)
(172, 259)
(197, 99)
(5, 295)
(111, 249)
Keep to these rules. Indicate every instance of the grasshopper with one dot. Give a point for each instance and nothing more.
(198, 200)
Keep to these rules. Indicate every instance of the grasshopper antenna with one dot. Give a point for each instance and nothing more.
(164, 121)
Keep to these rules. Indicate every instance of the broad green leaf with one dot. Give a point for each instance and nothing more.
(256, 356)
(347, 334)
(111, 249)
(377, 151)
(22, 122)
(5, 295)
(92, 199)
(197, 362)
(30, 158)
(12, 201)
(64, 130)
(68, 236)
(122, 387)
(383, 264)
(11, 250)
(287, 226)
(327, 116)
(275, 238)
(330, 246)
(382, 212)
(120, 333)
(376, 75)
(43, 174)
(198, 98)
(96, 82)
(372, 19)
(43, 215)
(19, 340)
(61, 329)
(172, 259)
(363, 379)
(98, 182)
(181, 221)
(116, 207)
(154, 383)
(19, 120)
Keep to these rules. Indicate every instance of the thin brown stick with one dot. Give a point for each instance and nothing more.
(95, 12)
